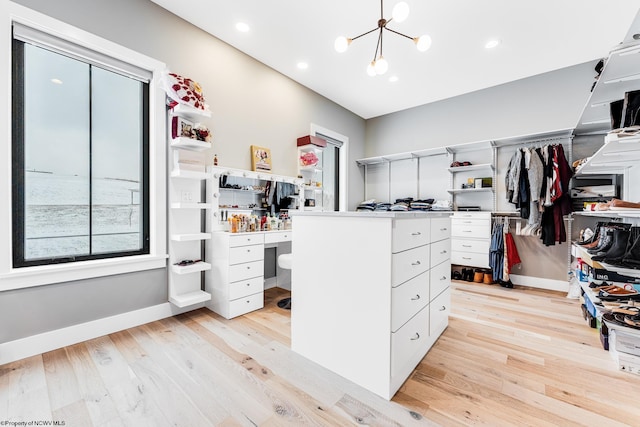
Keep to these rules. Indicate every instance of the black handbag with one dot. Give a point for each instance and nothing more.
(631, 109)
(615, 110)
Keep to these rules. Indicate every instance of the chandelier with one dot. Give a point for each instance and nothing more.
(379, 65)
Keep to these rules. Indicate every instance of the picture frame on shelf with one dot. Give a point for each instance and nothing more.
(260, 159)
(181, 127)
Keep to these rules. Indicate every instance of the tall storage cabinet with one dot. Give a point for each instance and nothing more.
(185, 216)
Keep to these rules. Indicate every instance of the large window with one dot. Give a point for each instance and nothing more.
(80, 155)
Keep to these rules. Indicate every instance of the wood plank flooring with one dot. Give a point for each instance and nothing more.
(510, 357)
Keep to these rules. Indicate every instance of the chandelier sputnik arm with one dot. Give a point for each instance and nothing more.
(379, 65)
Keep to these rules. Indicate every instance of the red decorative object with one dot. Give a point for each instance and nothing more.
(309, 159)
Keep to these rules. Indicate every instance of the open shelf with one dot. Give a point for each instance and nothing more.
(310, 169)
(179, 173)
(181, 205)
(190, 298)
(483, 166)
(193, 268)
(191, 113)
(190, 144)
(470, 190)
(190, 237)
(616, 155)
(580, 252)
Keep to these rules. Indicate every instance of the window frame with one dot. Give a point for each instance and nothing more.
(22, 277)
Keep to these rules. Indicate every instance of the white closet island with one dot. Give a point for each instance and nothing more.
(370, 292)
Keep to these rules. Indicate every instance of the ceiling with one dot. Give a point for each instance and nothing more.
(536, 37)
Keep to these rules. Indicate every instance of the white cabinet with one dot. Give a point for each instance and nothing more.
(186, 210)
(470, 238)
(369, 316)
(310, 150)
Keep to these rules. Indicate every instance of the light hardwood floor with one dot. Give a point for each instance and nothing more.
(509, 357)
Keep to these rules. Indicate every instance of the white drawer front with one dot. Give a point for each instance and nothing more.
(440, 228)
(409, 340)
(246, 271)
(246, 304)
(240, 254)
(410, 233)
(408, 264)
(470, 258)
(480, 246)
(246, 287)
(439, 310)
(471, 231)
(278, 236)
(244, 239)
(440, 251)
(408, 299)
(439, 279)
(472, 215)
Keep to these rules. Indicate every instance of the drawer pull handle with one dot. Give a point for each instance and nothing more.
(417, 233)
(415, 263)
(466, 231)
(248, 268)
(443, 278)
(443, 308)
(443, 229)
(248, 284)
(443, 252)
(416, 298)
(248, 301)
(466, 246)
(468, 222)
(417, 337)
(464, 257)
(248, 250)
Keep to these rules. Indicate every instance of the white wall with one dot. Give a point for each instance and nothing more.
(250, 104)
(542, 103)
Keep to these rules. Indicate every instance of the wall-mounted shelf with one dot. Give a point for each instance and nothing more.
(183, 205)
(190, 144)
(193, 268)
(190, 237)
(190, 298)
(614, 157)
(191, 113)
(484, 166)
(470, 190)
(181, 173)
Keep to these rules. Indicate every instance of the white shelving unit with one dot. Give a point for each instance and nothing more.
(186, 225)
(311, 174)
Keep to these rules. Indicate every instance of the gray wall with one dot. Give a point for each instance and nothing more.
(541, 103)
(250, 104)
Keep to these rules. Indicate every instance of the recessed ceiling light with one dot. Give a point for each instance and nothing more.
(393, 79)
(303, 65)
(491, 44)
(56, 81)
(242, 27)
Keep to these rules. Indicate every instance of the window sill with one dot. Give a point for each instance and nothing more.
(27, 277)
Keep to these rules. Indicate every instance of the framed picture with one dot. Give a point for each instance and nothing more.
(260, 159)
(181, 127)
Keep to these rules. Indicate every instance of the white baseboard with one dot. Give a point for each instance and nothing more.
(47, 341)
(537, 282)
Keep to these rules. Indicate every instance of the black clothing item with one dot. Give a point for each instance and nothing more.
(524, 190)
(548, 234)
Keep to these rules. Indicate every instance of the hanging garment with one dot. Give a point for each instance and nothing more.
(505, 253)
(513, 258)
(496, 252)
(523, 202)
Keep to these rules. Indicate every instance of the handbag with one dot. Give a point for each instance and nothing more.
(615, 111)
(631, 109)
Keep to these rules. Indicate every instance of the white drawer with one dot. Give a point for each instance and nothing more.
(246, 304)
(440, 228)
(473, 215)
(439, 279)
(470, 258)
(480, 246)
(471, 231)
(277, 236)
(242, 254)
(246, 287)
(409, 340)
(440, 251)
(408, 299)
(246, 271)
(410, 233)
(408, 264)
(439, 310)
(244, 239)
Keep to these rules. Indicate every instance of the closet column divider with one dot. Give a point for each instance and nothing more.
(494, 176)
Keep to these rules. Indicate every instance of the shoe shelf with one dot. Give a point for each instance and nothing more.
(580, 252)
(483, 166)
(614, 157)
